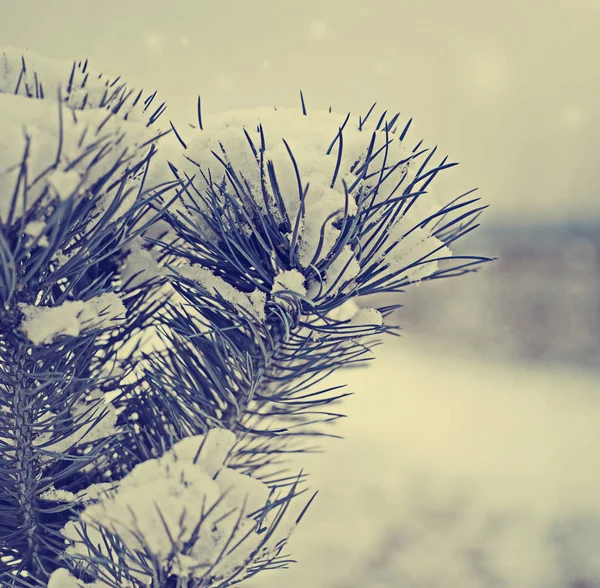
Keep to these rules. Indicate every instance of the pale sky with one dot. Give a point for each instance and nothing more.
(508, 89)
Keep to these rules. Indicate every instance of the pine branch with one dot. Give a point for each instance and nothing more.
(169, 320)
(66, 209)
(238, 236)
(254, 331)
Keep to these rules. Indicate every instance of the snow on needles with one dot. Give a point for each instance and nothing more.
(413, 250)
(291, 281)
(314, 140)
(190, 482)
(140, 265)
(43, 324)
(366, 317)
(60, 147)
(252, 302)
(35, 230)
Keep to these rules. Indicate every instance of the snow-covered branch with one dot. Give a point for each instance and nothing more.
(239, 252)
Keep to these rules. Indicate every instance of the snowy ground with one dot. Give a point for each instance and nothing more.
(457, 474)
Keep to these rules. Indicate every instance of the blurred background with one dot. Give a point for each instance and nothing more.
(471, 456)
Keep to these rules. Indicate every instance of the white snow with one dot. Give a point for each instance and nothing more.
(43, 324)
(33, 124)
(290, 280)
(345, 267)
(63, 183)
(309, 138)
(366, 317)
(93, 492)
(34, 229)
(54, 73)
(23, 119)
(253, 302)
(139, 263)
(175, 483)
(58, 494)
(342, 313)
(345, 311)
(62, 578)
(414, 244)
(215, 449)
(60, 258)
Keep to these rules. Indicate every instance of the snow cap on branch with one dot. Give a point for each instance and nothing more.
(43, 324)
(251, 302)
(26, 73)
(60, 140)
(339, 199)
(313, 141)
(366, 317)
(291, 281)
(154, 505)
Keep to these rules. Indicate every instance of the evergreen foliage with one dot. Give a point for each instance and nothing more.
(170, 308)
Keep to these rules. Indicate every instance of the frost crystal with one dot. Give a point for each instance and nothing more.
(43, 324)
(189, 482)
